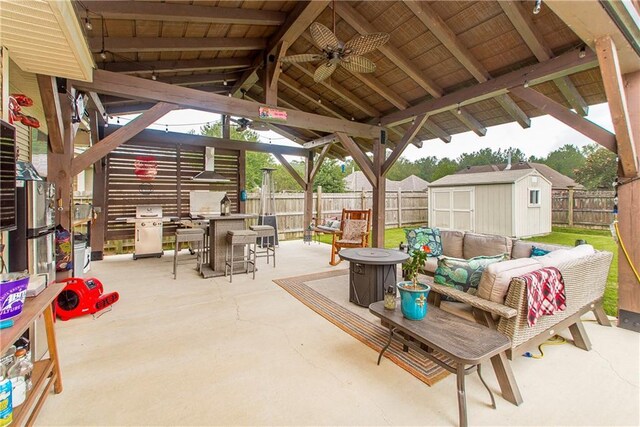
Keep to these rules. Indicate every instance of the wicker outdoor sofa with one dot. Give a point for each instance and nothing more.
(585, 278)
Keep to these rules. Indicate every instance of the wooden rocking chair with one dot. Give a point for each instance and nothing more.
(352, 234)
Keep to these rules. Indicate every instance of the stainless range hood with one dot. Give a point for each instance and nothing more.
(209, 175)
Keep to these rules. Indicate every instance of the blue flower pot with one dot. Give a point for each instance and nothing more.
(413, 302)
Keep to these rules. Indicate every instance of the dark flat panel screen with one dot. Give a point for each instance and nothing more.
(7, 176)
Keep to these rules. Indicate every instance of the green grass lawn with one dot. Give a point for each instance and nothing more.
(600, 239)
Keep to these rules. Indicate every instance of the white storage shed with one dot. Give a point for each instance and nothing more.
(515, 203)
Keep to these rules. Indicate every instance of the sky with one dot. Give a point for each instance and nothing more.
(544, 136)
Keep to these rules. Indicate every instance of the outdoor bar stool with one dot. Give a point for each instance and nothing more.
(267, 236)
(244, 238)
(193, 236)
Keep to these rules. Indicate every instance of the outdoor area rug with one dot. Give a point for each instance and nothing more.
(364, 330)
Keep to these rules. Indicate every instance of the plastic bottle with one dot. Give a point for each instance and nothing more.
(6, 404)
(20, 376)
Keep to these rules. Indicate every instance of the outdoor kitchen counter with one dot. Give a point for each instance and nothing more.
(218, 227)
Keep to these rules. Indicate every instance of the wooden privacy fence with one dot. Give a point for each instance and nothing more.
(402, 208)
(582, 208)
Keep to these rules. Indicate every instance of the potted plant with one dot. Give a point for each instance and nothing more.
(413, 294)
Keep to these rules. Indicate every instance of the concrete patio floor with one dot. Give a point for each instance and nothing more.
(202, 352)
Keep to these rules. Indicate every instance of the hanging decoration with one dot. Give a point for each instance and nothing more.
(16, 102)
(146, 168)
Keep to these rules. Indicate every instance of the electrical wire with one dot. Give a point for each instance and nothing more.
(554, 340)
(624, 250)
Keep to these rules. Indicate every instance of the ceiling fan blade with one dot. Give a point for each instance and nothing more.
(304, 57)
(324, 71)
(323, 37)
(358, 64)
(361, 44)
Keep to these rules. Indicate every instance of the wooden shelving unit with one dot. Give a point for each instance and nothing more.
(46, 372)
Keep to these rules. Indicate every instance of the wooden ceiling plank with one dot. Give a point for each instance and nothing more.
(172, 44)
(471, 122)
(176, 66)
(173, 138)
(297, 21)
(340, 91)
(566, 116)
(447, 37)
(362, 26)
(123, 85)
(318, 162)
(524, 25)
(53, 114)
(404, 142)
(365, 164)
(294, 173)
(122, 135)
(175, 12)
(561, 65)
(614, 87)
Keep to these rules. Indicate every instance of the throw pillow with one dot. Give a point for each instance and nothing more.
(419, 237)
(354, 229)
(464, 274)
(535, 251)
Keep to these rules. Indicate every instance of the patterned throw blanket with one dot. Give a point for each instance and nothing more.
(545, 293)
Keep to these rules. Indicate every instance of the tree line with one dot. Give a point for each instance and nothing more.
(592, 166)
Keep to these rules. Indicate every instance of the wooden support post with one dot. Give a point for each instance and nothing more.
(242, 179)
(319, 205)
(379, 196)
(302, 182)
(99, 224)
(629, 222)
(179, 180)
(59, 166)
(308, 192)
(570, 207)
(399, 207)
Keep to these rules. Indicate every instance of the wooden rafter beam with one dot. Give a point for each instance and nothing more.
(524, 25)
(365, 164)
(447, 37)
(318, 163)
(52, 111)
(297, 21)
(176, 12)
(614, 87)
(128, 108)
(437, 131)
(173, 138)
(561, 65)
(201, 79)
(340, 91)
(404, 142)
(294, 173)
(134, 87)
(272, 73)
(96, 103)
(122, 135)
(172, 44)
(559, 112)
(176, 66)
(312, 97)
(321, 142)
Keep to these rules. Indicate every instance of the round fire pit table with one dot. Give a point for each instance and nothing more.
(371, 270)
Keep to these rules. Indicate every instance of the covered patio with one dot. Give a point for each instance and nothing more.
(197, 351)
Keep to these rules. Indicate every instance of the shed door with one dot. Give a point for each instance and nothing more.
(452, 208)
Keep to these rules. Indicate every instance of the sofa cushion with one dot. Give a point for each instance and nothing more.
(430, 265)
(354, 229)
(463, 274)
(486, 245)
(556, 258)
(424, 236)
(522, 249)
(495, 280)
(452, 243)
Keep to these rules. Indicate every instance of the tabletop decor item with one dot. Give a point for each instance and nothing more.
(413, 294)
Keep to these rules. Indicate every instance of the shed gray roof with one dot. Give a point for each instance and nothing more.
(483, 178)
(558, 180)
(356, 181)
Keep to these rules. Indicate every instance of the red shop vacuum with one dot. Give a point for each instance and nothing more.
(83, 296)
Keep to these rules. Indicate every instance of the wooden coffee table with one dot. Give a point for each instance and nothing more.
(465, 343)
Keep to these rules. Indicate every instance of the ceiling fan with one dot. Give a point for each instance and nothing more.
(244, 124)
(336, 53)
